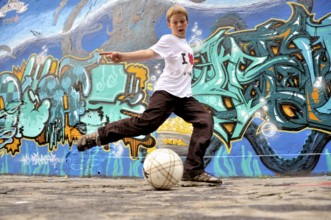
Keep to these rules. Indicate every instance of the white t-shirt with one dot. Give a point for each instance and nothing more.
(179, 59)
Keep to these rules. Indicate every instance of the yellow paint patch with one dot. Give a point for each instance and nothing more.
(176, 125)
(315, 95)
(288, 110)
(228, 103)
(2, 103)
(311, 114)
(229, 127)
(14, 147)
(174, 141)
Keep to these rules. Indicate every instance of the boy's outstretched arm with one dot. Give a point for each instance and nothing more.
(139, 55)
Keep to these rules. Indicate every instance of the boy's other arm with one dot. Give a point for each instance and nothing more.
(139, 55)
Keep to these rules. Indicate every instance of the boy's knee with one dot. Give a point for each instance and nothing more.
(209, 119)
(206, 120)
(151, 128)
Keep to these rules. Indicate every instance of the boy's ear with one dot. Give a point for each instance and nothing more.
(168, 24)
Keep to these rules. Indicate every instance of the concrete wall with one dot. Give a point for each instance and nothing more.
(262, 67)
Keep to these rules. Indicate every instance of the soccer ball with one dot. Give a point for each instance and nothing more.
(163, 168)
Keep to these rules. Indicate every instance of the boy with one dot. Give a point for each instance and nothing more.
(172, 93)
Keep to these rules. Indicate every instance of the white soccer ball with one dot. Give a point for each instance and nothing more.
(163, 168)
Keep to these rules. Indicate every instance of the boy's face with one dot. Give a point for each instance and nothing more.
(178, 25)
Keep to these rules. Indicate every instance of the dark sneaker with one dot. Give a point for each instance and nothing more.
(203, 177)
(88, 141)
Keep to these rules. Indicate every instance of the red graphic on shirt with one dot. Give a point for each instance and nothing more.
(191, 58)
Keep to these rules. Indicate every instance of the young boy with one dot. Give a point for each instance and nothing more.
(172, 93)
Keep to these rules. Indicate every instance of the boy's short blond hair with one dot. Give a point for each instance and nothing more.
(176, 9)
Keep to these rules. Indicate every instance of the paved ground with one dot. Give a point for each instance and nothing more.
(23, 197)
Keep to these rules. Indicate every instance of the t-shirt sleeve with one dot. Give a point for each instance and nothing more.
(162, 47)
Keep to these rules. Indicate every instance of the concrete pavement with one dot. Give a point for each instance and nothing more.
(35, 197)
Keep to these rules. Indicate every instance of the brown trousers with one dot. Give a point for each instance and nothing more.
(160, 106)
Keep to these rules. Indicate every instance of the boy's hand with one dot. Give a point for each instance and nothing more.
(116, 57)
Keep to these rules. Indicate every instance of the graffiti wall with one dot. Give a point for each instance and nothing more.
(263, 69)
